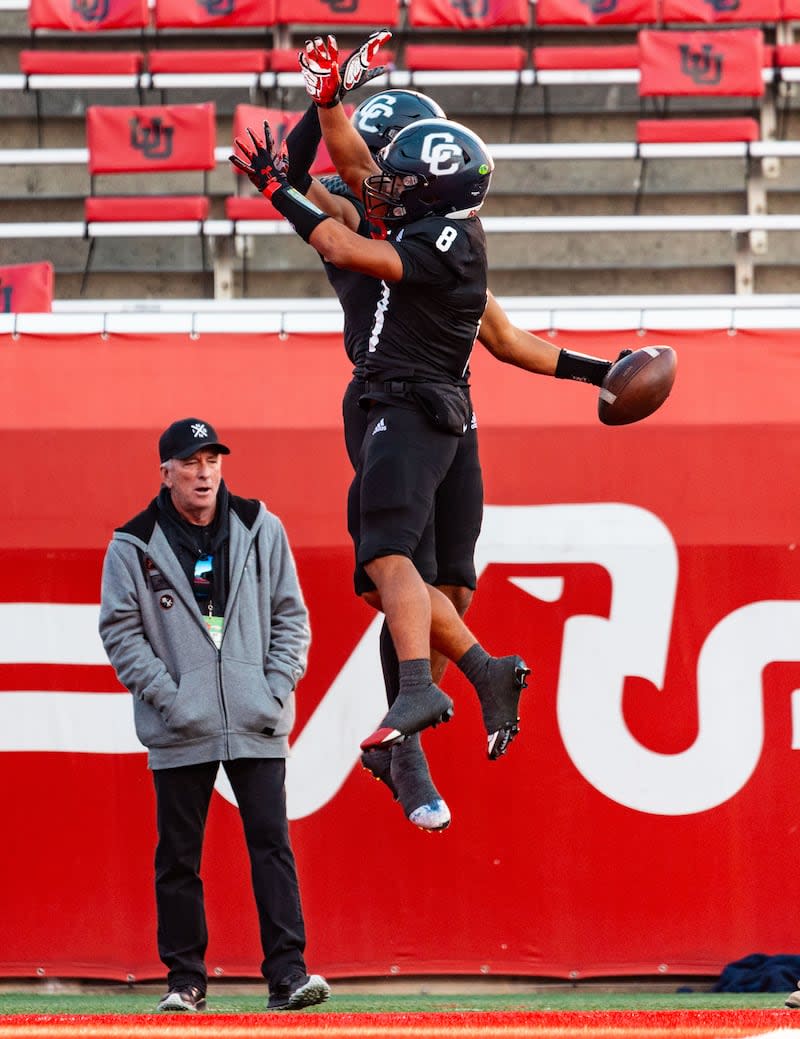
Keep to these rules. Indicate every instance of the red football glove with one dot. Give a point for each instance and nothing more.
(265, 167)
(319, 63)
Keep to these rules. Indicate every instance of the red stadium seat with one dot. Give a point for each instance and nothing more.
(712, 11)
(206, 68)
(81, 63)
(597, 12)
(701, 62)
(250, 207)
(694, 131)
(283, 59)
(444, 14)
(99, 16)
(583, 59)
(698, 138)
(26, 288)
(430, 57)
(322, 15)
(206, 61)
(79, 70)
(149, 139)
(560, 66)
(189, 14)
(433, 65)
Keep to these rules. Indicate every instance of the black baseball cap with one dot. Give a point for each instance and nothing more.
(186, 436)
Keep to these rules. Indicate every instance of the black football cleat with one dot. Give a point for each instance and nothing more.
(499, 695)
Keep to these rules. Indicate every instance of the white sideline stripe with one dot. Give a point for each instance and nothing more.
(50, 633)
(72, 723)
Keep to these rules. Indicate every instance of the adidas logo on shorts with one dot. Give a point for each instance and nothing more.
(380, 427)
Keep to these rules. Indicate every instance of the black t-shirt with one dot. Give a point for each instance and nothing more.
(201, 551)
(425, 325)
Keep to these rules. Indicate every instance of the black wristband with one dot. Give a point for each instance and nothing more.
(301, 214)
(581, 368)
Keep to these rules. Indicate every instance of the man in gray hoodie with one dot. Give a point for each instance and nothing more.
(204, 621)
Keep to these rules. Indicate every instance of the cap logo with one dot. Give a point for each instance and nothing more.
(200, 430)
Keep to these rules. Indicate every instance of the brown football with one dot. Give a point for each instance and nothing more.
(636, 385)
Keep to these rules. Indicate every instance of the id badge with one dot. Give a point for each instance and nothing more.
(214, 626)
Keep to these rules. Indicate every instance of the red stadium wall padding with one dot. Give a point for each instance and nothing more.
(148, 138)
(727, 61)
(26, 288)
(648, 573)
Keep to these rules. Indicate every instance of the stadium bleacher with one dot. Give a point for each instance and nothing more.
(562, 90)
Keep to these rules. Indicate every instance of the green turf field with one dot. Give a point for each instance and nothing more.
(32, 1001)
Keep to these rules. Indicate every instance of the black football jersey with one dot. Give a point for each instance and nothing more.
(357, 293)
(425, 325)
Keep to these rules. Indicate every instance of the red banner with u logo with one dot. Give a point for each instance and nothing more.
(26, 288)
(147, 138)
(725, 61)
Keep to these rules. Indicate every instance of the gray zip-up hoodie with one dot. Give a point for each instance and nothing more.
(192, 701)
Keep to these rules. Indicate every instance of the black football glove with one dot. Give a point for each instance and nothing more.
(265, 166)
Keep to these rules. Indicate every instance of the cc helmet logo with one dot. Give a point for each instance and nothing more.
(441, 153)
(382, 105)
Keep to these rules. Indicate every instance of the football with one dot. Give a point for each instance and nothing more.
(637, 385)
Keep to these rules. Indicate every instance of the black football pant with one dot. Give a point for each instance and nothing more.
(183, 796)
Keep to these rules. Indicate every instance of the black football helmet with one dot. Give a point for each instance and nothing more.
(433, 166)
(382, 116)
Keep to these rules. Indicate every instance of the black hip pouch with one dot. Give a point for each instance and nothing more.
(446, 406)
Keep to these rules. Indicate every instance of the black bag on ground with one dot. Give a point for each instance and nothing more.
(446, 406)
(760, 973)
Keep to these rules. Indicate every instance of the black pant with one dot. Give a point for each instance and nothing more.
(183, 796)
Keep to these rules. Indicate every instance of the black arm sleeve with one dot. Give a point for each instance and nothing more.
(301, 149)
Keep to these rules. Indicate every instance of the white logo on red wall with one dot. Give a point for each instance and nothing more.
(598, 653)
